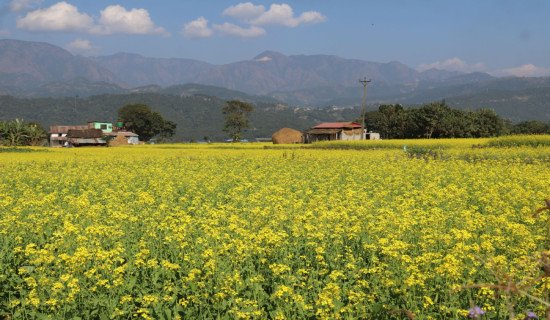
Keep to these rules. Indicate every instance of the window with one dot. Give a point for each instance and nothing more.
(103, 127)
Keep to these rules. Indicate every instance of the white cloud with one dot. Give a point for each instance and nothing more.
(22, 5)
(197, 29)
(80, 46)
(116, 19)
(59, 17)
(526, 70)
(230, 29)
(254, 16)
(244, 11)
(63, 16)
(283, 15)
(454, 64)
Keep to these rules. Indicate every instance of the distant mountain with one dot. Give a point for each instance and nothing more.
(463, 88)
(140, 71)
(273, 71)
(25, 64)
(475, 84)
(453, 78)
(75, 87)
(515, 105)
(219, 92)
(436, 74)
(83, 88)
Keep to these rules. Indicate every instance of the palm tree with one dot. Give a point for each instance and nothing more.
(35, 134)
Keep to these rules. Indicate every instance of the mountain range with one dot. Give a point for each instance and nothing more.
(35, 69)
(28, 65)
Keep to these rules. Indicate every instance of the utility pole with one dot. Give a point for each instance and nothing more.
(364, 82)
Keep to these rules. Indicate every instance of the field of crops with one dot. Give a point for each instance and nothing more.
(243, 232)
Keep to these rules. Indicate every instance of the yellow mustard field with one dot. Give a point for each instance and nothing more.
(243, 232)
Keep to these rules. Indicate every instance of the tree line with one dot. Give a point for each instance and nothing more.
(438, 120)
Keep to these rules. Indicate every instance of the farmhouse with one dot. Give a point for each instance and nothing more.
(86, 137)
(93, 134)
(58, 134)
(339, 131)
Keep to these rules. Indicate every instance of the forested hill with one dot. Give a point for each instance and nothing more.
(195, 116)
(515, 105)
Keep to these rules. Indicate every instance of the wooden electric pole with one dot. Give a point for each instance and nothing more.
(364, 82)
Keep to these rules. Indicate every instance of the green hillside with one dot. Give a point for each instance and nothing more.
(196, 116)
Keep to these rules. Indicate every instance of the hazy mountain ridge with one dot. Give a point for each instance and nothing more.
(137, 70)
(29, 64)
(272, 71)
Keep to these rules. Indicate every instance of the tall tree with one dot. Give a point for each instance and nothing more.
(392, 121)
(139, 119)
(236, 118)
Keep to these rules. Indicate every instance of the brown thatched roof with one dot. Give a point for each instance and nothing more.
(286, 136)
(85, 134)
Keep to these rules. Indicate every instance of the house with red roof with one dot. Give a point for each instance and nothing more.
(339, 131)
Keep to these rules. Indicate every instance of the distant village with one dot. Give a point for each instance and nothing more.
(104, 133)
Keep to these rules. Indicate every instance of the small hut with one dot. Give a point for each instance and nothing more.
(287, 136)
(87, 137)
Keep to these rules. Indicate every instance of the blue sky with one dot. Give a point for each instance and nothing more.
(501, 37)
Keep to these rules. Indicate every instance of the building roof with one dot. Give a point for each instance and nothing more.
(338, 125)
(85, 134)
(324, 131)
(65, 129)
(126, 134)
(87, 141)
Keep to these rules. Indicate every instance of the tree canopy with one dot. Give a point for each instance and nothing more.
(531, 127)
(236, 118)
(434, 120)
(140, 119)
(18, 133)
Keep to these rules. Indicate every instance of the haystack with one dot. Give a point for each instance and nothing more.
(286, 136)
(119, 141)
